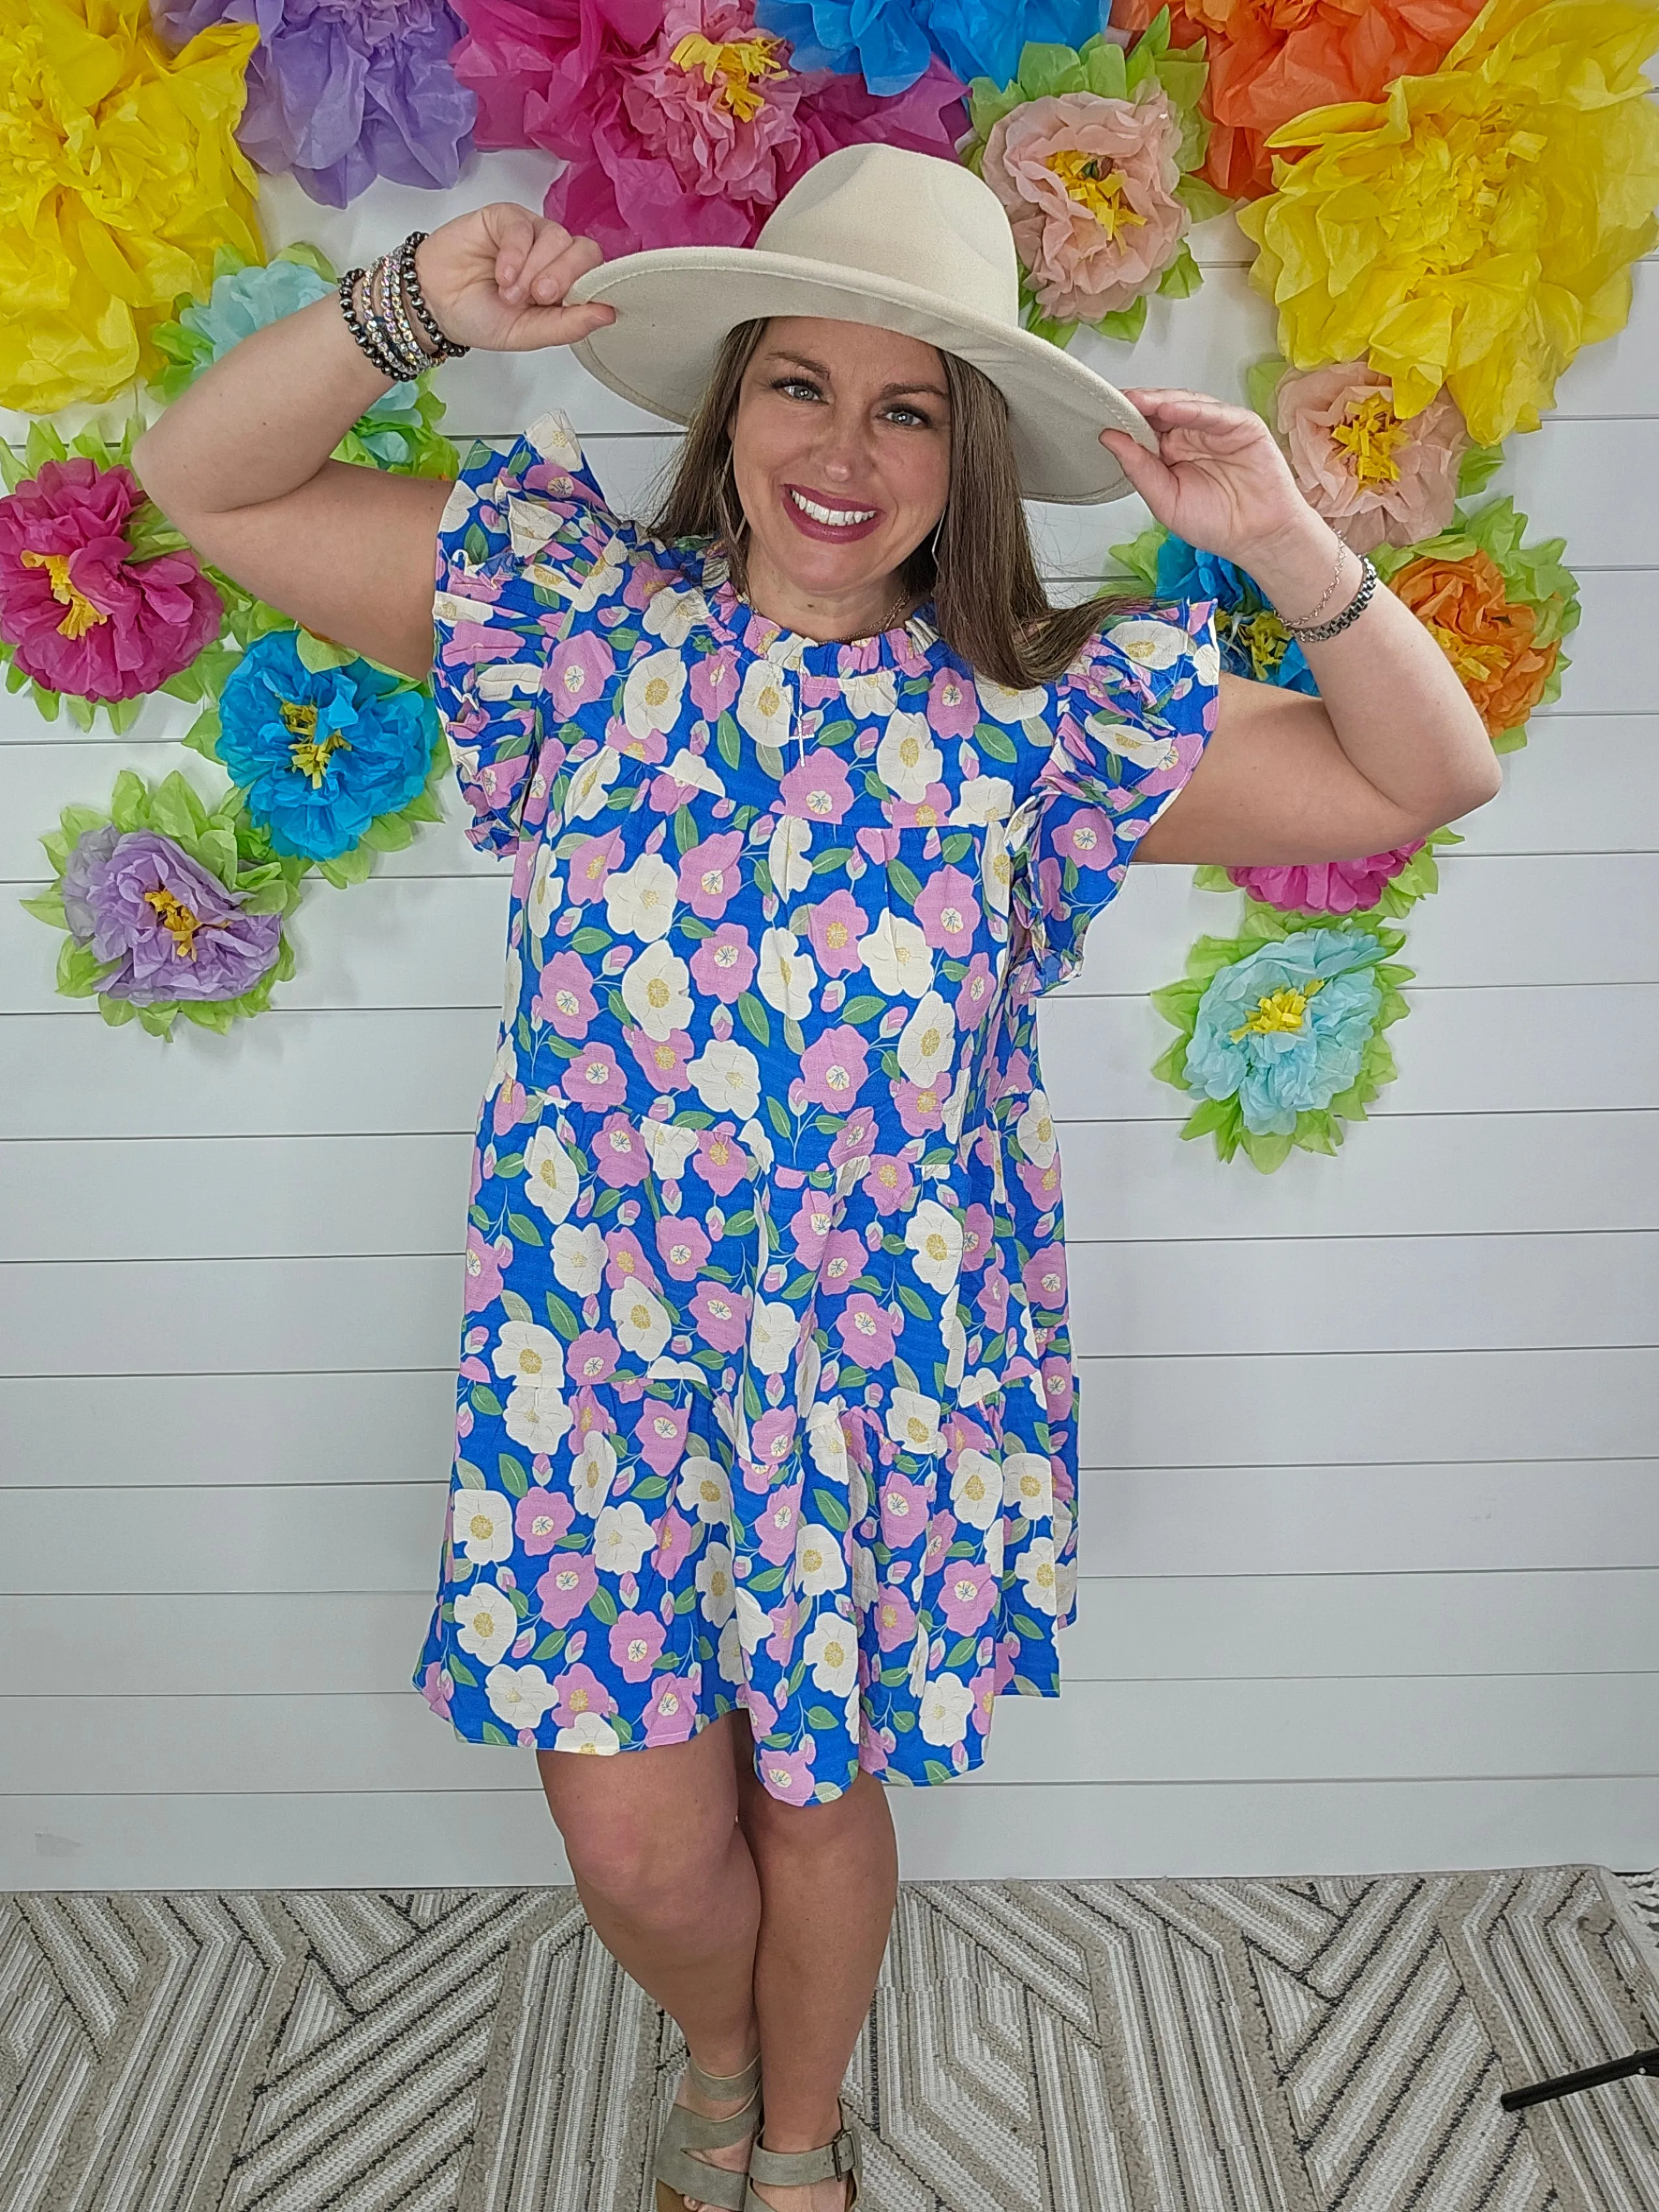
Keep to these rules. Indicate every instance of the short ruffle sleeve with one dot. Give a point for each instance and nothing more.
(1133, 715)
(526, 547)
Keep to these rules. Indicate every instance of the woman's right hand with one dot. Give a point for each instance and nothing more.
(496, 279)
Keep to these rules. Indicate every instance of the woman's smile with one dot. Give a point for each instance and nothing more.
(815, 515)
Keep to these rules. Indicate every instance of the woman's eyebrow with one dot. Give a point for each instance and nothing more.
(888, 391)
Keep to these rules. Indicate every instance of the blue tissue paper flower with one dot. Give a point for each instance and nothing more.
(1250, 645)
(1286, 1027)
(889, 42)
(245, 299)
(321, 752)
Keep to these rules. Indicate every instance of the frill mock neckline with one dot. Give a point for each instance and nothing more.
(740, 623)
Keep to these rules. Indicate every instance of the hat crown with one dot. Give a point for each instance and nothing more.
(913, 217)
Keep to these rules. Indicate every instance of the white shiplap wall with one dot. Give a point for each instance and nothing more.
(1370, 1528)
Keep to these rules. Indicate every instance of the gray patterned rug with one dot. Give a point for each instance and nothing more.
(1313, 2045)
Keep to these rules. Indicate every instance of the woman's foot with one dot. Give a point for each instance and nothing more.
(805, 2196)
(734, 2157)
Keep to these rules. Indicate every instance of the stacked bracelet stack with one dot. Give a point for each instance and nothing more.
(385, 312)
(1308, 632)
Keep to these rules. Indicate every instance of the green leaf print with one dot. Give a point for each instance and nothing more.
(830, 1509)
(961, 1651)
(493, 1734)
(460, 1672)
(905, 882)
(524, 1229)
(484, 1400)
(517, 1309)
(996, 742)
(913, 1303)
(753, 1016)
(865, 1008)
(515, 1478)
(602, 1606)
(551, 1645)
(561, 1320)
(469, 1477)
(821, 1717)
(728, 738)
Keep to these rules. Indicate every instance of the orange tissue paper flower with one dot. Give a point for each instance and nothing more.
(1487, 636)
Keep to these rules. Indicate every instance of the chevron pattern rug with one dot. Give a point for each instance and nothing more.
(1312, 2046)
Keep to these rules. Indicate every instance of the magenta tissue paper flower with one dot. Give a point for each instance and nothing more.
(137, 898)
(1325, 886)
(681, 123)
(81, 614)
(341, 91)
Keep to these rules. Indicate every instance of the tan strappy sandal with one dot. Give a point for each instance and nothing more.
(830, 2161)
(678, 2177)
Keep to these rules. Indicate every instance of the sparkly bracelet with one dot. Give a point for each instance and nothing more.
(1305, 635)
(392, 308)
(356, 322)
(386, 311)
(445, 347)
(381, 317)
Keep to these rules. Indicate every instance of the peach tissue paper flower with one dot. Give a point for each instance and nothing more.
(1377, 479)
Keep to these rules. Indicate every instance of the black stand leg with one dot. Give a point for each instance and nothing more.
(1616, 2069)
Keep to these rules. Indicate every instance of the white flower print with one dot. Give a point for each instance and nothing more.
(655, 989)
(753, 1622)
(870, 695)
(651, 693)
(955, 1105)
(673, 613)
(691, 768)
(537, 1416)
(907, 759)
(716, 1585)
(927, 1042)
(546, 893)
(667, 1148)
(643, 1322)
(1206, 663)
(481, 1525)
(772, 1329)
(578, 1257)
(976, 1488)
(786, 855)
(1027, 1484)
(520, 1696)
(727, 1077)
(622, 1537)
(896, 954)
(590, 780)
(785, 977)
(947, 1704)
(913, 1422)
(820, 1562)
(728, 1653)
(485, 1622)
(826, 1439)
(704, 1489)
(1145, 748)
(764, 710)
(934, 1237)
(831, 1650)
(955, 1337)
(1011, 707)
(528, 1353)
(1036, 1131)
(554, 439)
(918, 1654)
(1035, 1566)
(639, 902)
(552, 1181)
(984, 799)
(592, 1470)
(996, 868)
(1148, 641)
(588, 1732)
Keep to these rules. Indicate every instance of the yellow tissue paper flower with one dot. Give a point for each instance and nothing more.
(1475, 228)
(118, 177)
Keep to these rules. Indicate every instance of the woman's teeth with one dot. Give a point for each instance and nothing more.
(841, 518)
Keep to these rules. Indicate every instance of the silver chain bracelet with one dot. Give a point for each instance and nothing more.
(1311, 633)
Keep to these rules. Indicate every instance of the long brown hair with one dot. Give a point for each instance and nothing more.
(989, 605)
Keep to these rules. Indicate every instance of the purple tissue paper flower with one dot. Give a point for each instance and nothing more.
(343, 91)
(135, 896)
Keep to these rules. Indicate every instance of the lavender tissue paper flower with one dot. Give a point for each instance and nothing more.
(135, 896)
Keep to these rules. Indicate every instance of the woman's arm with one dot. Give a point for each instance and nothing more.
(240, 463)
(1391, 748)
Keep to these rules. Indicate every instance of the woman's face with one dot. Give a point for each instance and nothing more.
(840, 447)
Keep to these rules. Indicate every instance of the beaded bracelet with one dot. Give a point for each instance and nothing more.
(356, 322)
(387, 313)
(1313, 634)
(446, 347)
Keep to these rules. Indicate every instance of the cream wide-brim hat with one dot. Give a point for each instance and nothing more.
(876, 235)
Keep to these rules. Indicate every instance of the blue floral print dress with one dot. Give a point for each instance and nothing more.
(765, 1394)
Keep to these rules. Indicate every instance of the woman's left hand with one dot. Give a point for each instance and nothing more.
(1217, 479)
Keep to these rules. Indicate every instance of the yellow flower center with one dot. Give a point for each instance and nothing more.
(179, 921)
(1368, 434)
(1278, 1010)
(83, 616)
(1264, 637)
(1101, 193)
(1459, 175)
(736, 68)
(1475, 663)
(306, 754)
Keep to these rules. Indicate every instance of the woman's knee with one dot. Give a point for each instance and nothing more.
(646, 1829)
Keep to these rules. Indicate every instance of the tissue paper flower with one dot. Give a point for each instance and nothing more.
(170, 908)
(84, 610)
(322, 753)
(341, 92)
(1269, 62)
(680, 122)
(1254, 642)
(1091, 152)
(1282, 1033)
(119, 176)
(1383, 883)
(1476, 227)
(888, 42)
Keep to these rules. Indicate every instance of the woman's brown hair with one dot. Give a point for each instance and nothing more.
(989, 605)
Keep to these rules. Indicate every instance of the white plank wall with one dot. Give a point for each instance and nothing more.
(1370, 1508)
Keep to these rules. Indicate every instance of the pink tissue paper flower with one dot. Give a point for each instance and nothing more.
(1325, 886)
(1377, 477)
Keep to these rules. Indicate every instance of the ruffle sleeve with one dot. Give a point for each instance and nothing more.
(1133, 715)
(526, 547)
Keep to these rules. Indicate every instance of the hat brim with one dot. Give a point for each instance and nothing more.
(676, 303)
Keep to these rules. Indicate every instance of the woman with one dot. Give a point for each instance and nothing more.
(766, 1461)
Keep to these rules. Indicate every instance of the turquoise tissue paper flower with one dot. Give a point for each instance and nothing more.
(245, 299)
(1285, 1029)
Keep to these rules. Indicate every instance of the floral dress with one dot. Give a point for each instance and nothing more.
(766, 1395)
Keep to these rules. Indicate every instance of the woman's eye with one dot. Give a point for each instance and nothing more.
(797, 387)
(908, 415)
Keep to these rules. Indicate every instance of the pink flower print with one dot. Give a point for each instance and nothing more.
(682, 1244)
(650, 745)
(976, 1236)
(589, 864)
(968, 1595)
(564, 1589)
(661, 1431)
(948, 912)
(984, 1687)
(437, 1689)
(927, 812)
(540, 1518)
(723, 965)
(857, 1138)
(787, 1775)
(564, 996)
(1058, 1387)
(1085, 836)
(594, 1080)
(721, 1315)
(880, 846)
(1042, 1183)
(833, 1068)
(771, 1436)
(810, 1229)
(961, 1434)
(816, 789)
(592, 1359)
(580, 1690)
(619, 1156)
(644, 580)
(635, 1640)
(920, 1110)
(780, 1646)
(577, 671)
(975, 992)
(894, 1617)
(709, 874)
(714, 682)
(993, 1298)
(671, 1715)
(674, 1540)
(779, 1525)
(952, 708)
(844, 1255)
(890, 1182)
(484, 1271)
(866, 1330)
(663, 1061)
(510, 1106)
(626, 1261)
(941, 1535)
(1050, 888)
(904, 1510)
(720, 1160)
(1044, 1278)
(835, 925)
